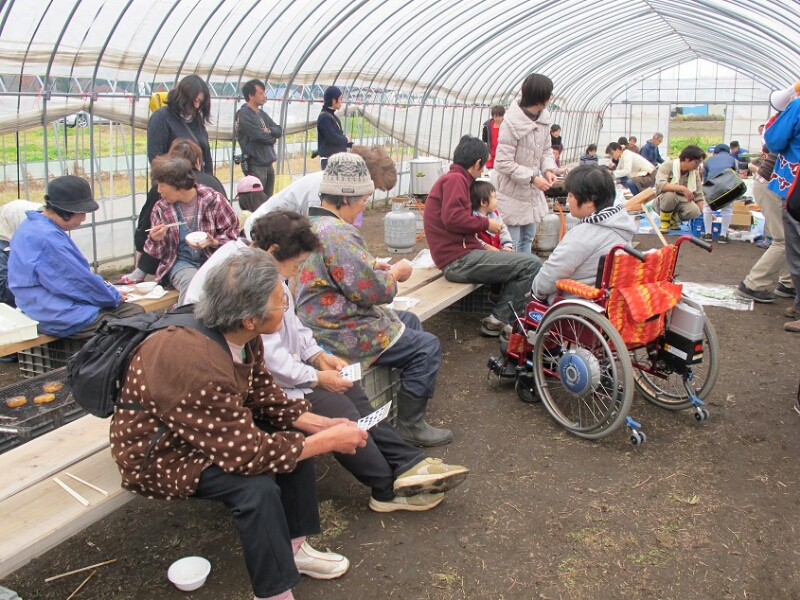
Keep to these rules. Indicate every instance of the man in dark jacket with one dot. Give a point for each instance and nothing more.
(650, 149)
(257, 135)
(451, 228)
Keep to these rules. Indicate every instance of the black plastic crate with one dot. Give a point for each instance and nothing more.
(474, 302)
(47, 357)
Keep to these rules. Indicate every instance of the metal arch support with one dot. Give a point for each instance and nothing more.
(200, 31)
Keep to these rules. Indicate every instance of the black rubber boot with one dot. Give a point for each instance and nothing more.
(411, 423)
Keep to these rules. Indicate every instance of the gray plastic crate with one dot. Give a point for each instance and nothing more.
(381, 385)
(47, 357)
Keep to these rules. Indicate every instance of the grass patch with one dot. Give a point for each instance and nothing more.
(676, 144)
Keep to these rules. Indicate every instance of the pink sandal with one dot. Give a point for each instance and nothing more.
(127, 280)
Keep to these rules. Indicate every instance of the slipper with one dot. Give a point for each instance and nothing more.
(792, 326)
(127, 280)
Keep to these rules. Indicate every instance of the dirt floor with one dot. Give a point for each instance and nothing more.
(700, 511)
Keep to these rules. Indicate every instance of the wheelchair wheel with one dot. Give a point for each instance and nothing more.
(669, 392)
(583, 381)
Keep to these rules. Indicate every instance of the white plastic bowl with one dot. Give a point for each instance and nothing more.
(189, 573)
(196, 237)
(145, 287)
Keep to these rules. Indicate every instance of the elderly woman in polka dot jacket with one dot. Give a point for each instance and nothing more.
(213, 425)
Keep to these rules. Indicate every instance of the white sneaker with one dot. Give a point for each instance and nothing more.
(320, 565)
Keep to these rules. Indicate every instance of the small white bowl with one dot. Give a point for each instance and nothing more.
(189, 573)
(196, 237)
(145, 287)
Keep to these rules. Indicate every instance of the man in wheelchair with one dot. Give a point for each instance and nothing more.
(590, 194)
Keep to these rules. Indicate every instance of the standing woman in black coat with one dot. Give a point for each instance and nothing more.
(186, 115)
(330, 137)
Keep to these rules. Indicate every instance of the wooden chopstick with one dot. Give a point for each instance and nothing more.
(81, 570)
(87, 484)
(71, 492)
(168, 226)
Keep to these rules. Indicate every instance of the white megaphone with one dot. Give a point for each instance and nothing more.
(780, 99)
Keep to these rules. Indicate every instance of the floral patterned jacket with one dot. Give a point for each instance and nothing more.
(339, 293)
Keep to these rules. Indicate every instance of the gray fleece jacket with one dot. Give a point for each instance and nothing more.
(578, 254)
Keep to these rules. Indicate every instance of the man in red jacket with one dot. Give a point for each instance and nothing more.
(450, 228)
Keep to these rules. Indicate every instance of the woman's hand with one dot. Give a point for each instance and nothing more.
(402, 270)
(158, 232)
(542, 183)
(344, 438)
(333, 382)
(382, 266)
(327, 362)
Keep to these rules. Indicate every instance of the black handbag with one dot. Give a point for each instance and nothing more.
(723, 188)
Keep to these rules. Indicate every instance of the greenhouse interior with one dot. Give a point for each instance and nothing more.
(524, 388)
(76, 79)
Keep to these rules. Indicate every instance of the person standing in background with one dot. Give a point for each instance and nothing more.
(257, 134)
(524, 162)
(491, 132)
(555, 137)
(330, 136)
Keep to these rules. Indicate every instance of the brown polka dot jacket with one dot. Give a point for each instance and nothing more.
(198, 409)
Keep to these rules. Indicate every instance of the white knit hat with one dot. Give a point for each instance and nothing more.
(346, 175)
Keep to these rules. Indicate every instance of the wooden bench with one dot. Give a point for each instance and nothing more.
(36, 514)
(167, 300)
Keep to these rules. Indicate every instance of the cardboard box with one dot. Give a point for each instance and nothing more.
(741, 219)
(740, 207)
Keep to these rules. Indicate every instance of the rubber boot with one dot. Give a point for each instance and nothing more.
(665, 219)
(674, 222)
(411, 423)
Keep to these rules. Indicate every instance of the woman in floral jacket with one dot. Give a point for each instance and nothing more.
(342, 292)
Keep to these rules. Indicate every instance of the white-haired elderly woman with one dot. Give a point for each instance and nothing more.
(211, 424)
(11, 215)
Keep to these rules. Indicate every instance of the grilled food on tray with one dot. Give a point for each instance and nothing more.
(16, 401)
(51, 387)
(44, 398)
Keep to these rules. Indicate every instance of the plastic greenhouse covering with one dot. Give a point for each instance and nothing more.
(421, 73)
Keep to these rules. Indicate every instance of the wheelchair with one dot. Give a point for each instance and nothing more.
(584, 355)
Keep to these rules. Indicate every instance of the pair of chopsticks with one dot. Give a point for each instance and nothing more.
(75, 494)
(168, 226)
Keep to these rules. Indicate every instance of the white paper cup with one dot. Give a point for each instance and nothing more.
(400, 304)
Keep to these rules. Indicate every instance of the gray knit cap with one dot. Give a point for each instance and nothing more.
(346, 175)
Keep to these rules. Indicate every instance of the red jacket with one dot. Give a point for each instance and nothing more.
(450, 226)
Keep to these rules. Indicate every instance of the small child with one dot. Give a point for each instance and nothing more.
(484, 204)
(250, 193)
(591, 193)
(590, 156)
